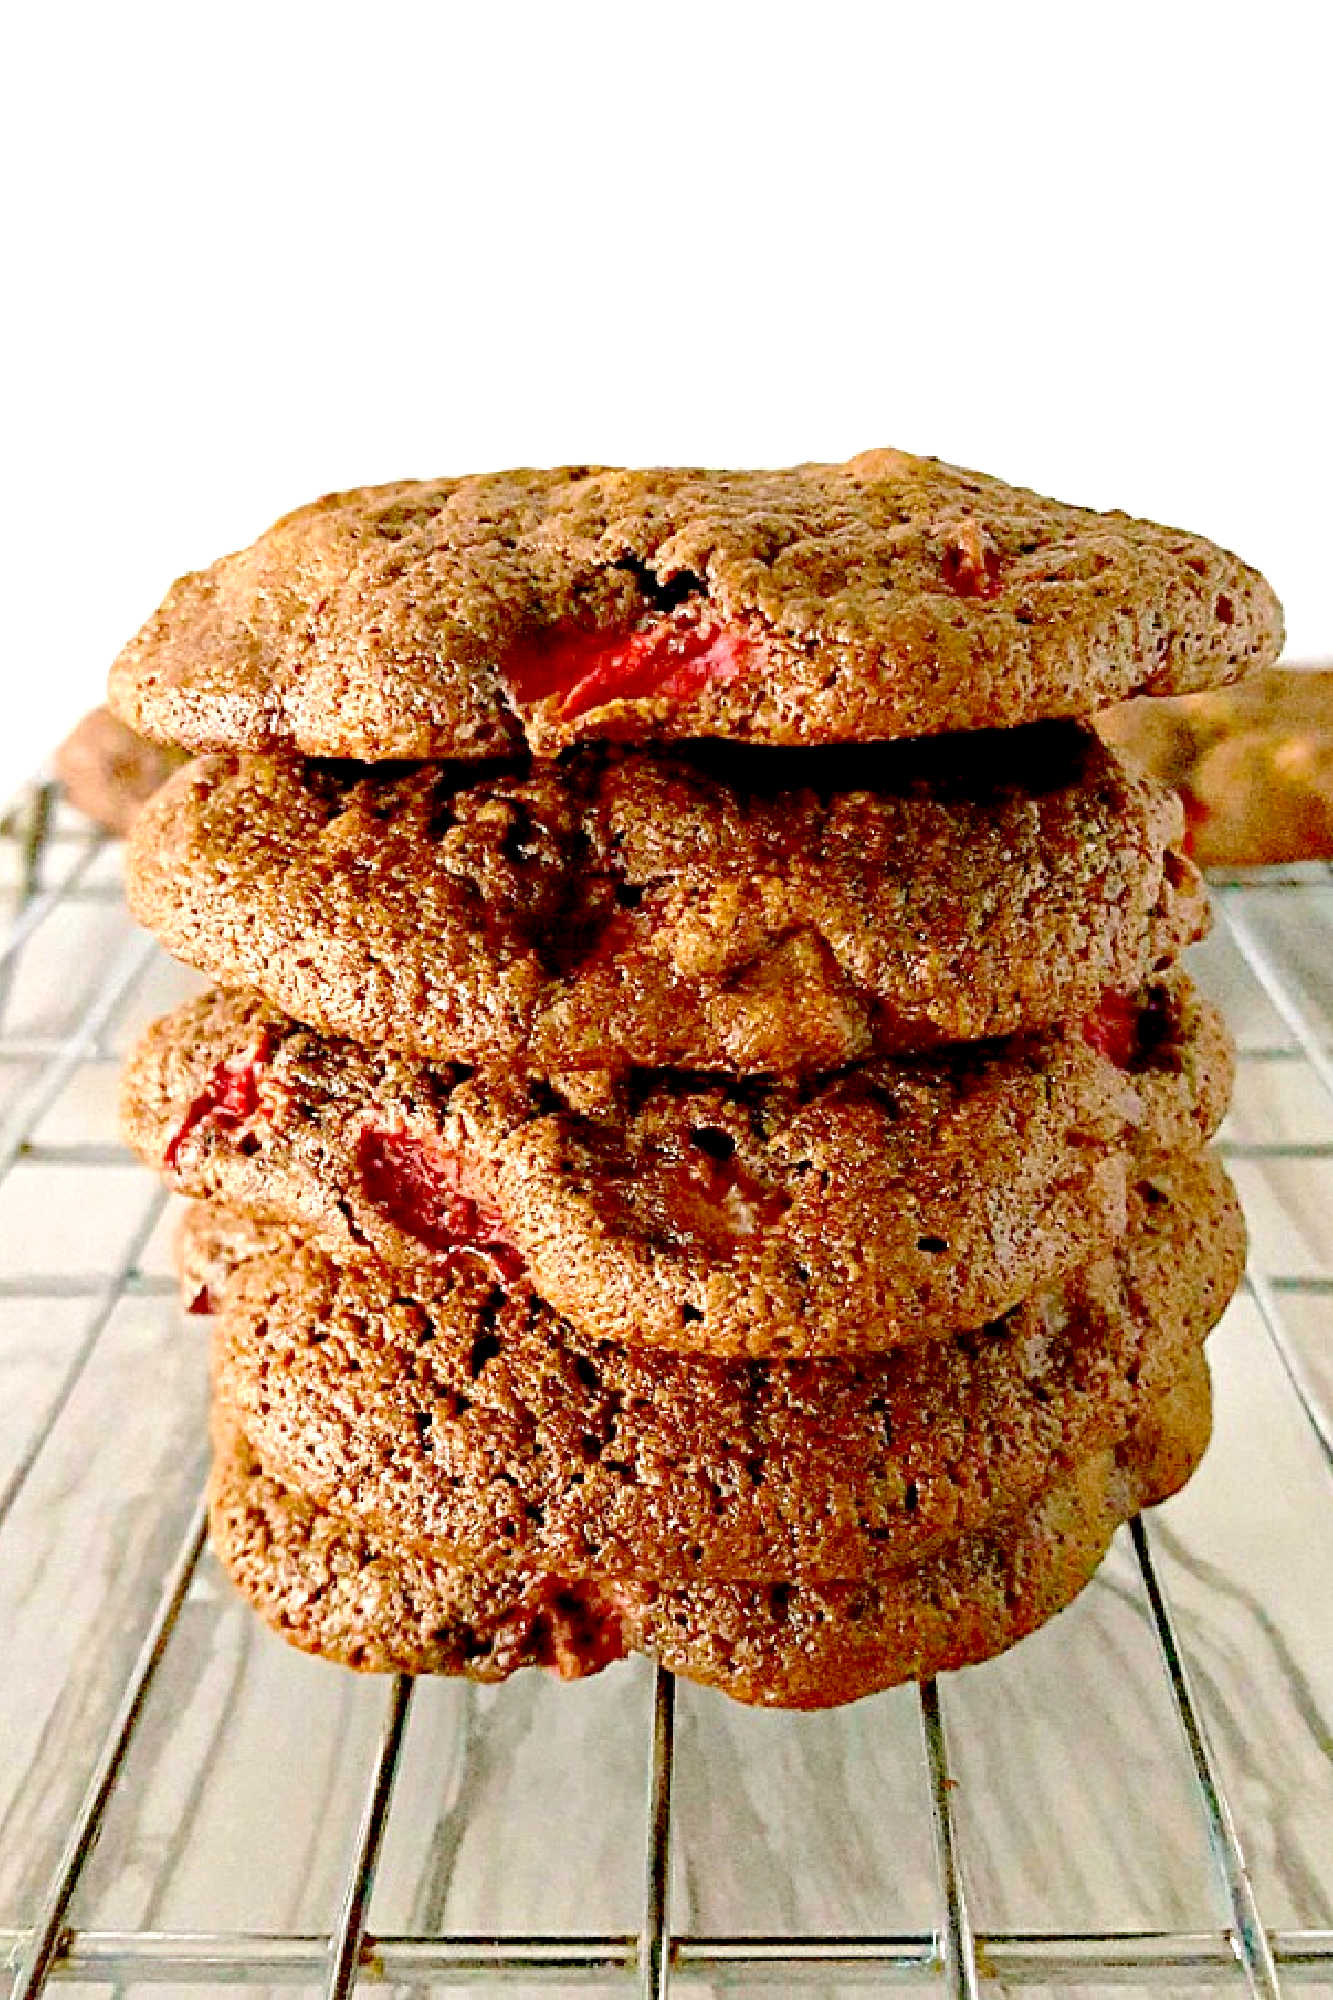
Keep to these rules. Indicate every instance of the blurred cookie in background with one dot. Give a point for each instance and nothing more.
(108, 772)
(1254, 762)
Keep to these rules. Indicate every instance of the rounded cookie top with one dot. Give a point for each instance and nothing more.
(464, 1423)
(754, 911)
(335, 1589)
(890, 596)
(895, 1202)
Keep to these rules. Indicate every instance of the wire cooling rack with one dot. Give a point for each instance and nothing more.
(1141, 1794)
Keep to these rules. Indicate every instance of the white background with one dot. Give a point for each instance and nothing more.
(257, 251)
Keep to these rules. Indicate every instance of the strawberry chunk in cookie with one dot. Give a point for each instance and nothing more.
(422, 1186)
(232, 1099)
(1128, 1027)
(579, 671)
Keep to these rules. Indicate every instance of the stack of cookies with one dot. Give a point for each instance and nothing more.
(700, 1132)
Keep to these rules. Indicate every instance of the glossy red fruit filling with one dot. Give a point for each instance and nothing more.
(1128, 1027)
(1114, 1029)
(230, 1100)
(422, 1187)
(970, 564)
(580, 671)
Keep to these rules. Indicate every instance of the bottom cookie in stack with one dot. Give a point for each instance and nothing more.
(333, 1589)
(445, 1484)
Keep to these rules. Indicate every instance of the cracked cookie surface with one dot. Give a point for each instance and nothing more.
(894, 1202)
(333, 1589)
(747, 911)
(462, 1423)
(211, 1242)
(890, 596)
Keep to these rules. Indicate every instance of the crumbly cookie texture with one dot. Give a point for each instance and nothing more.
(211, 1242)
(463, 1423)
(890, 596)
(334, 1589)
(108, 772)
(1254, 764)
(894, 1202)
(753, 911)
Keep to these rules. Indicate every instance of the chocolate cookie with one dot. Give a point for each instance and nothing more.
(334, 1589)
(746, 910)
(1256, 799)
(211, 1242)
(891, 596)
(108, 772)
(1168, 737)
(895, 1202)
(464, 1424)
(1255, 765)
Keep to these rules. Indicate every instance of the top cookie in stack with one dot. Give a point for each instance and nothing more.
(798, 1044)
(892, 596)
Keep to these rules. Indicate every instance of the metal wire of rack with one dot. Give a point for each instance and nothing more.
(60, 872)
